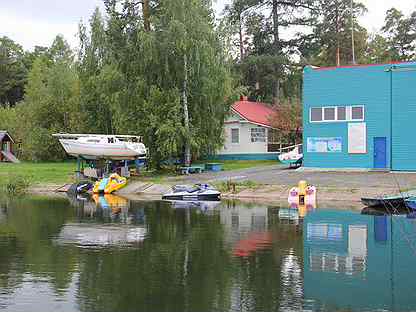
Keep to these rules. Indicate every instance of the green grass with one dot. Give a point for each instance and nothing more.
(46, 172)
(227, 165)
(242, 164)
(236, 186)
(63, 172)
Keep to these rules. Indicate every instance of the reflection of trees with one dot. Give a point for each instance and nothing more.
(30, 249)
(180, 267)
(184, 264)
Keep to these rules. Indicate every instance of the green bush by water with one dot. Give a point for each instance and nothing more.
(16, 184)
(236, 186)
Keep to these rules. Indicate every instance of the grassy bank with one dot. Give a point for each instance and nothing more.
(242, 164)
(227, 165)
(63, 172)
(39, 173)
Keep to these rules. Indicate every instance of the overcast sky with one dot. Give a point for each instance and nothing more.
(37, 22)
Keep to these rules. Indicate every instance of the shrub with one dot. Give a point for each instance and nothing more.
(17, 184)
(236, 186)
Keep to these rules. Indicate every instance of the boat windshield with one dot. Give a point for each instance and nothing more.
(133, 139)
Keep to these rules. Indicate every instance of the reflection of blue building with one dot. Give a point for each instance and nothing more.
(351, 262)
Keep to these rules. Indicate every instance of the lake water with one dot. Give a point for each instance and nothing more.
(117, 255)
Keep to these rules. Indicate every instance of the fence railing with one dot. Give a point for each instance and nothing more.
(281, 147)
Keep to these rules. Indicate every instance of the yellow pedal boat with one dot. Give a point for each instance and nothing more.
(108, 185)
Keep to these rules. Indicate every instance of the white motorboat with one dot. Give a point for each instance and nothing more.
(100, 235)
(100, 146)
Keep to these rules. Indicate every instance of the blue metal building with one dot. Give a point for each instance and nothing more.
(360, 116)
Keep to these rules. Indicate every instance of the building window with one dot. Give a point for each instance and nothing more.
(258, 134)
(341, 113)
(316, 114)
(235, 135)
(357, 113)
(329, 114)
(337, 113)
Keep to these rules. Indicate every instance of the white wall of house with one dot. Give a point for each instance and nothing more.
(245, 144)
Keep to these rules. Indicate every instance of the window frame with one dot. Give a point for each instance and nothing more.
(362, 107)
(256, 128)
(346, 113)
(231, 135)
(310, 114)
(335, 114)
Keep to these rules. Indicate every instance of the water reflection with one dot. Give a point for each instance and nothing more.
(368, 258)
(154, 256)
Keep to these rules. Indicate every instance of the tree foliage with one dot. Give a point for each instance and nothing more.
(12, 72)
(167, 71)
(400, 34)
(132, 78)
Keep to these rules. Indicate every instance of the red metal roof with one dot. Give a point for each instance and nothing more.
(359, 65)
(255, 112)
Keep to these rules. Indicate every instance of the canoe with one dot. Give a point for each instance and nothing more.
(384, 201)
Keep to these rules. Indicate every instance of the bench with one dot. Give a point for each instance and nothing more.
(191, 169)
(213, 166)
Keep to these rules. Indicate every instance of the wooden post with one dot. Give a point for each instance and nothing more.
(78, 172)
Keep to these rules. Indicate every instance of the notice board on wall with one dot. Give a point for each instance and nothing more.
(324, 145)
(357, 138)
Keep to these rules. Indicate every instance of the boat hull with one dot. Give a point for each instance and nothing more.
(99, 151)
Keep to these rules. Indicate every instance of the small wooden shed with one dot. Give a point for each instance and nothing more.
(6, 147)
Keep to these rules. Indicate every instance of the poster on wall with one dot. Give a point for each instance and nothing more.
(357, 138)
(324, 145)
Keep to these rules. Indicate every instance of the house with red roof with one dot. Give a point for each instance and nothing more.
(249, 133)
(6, 147)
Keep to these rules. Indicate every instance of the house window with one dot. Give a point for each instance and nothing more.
(357, 113)
(341, 113)
(258, 135)
(329, 113)
(316, 114)
(235, 135)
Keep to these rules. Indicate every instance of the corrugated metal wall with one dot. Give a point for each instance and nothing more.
(404, 117)
(368, 86)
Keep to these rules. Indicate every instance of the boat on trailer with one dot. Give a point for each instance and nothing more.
(195, 192)
(292, 158)
(101, 146)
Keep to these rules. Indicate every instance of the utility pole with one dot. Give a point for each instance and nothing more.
(352, 32)
(277, 52)
(337, 33)
(145, 8)
(240, 31)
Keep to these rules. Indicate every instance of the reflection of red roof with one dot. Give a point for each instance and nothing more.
(359, 65)
(254, 241)
(255, 112)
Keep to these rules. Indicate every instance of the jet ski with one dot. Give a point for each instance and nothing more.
(194, 192)
(80, 187)
(204, 206)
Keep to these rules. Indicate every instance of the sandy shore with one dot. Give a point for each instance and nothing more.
(329, 196)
